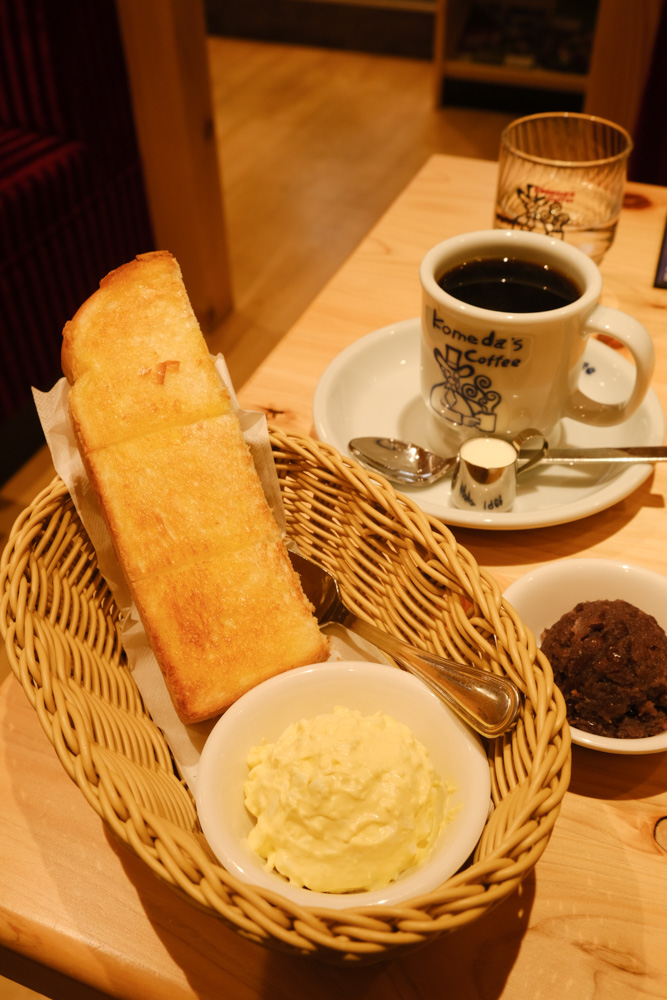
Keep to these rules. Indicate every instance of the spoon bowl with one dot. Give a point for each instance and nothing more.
(401, 461)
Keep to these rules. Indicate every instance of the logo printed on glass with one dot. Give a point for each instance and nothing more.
(542, 210)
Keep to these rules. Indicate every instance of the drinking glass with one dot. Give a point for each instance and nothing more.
(563, 174)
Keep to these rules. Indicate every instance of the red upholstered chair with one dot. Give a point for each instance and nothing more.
(72, 199)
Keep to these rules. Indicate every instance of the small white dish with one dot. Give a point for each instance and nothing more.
(265, 712)
(372, 388)
(542, 596)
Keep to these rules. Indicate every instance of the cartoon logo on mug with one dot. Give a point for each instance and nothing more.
(464, 397)
(467, 396)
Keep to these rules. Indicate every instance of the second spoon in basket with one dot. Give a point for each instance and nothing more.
(488, 703)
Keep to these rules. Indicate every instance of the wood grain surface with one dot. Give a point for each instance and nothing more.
(589, 923)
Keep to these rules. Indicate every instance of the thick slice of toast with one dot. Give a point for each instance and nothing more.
(197, 542)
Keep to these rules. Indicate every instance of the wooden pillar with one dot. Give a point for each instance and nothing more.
(166, 55)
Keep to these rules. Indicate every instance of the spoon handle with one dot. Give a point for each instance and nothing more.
(636, 453)
(488, 703)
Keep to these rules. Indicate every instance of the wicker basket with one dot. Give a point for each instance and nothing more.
(399, 568)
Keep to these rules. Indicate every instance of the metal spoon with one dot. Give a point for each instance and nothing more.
(409, 464)
(488, 703)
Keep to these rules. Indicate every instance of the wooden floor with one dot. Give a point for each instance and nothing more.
(314, 146)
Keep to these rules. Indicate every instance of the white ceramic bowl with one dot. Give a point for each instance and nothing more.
(266, 711)
(543, 595)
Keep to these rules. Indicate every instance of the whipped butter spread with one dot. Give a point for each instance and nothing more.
(343, 802)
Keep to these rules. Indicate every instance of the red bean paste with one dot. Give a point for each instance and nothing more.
(610, 661)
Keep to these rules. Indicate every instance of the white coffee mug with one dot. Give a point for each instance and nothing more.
(497, 371)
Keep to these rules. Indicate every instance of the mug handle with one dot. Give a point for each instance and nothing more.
(637, 339)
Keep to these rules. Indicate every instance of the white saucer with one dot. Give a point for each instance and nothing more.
(372, 388)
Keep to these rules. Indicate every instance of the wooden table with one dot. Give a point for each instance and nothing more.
(590, 923)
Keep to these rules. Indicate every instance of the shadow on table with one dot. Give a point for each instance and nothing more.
(498, 549)
(615, 776)
(473, 961)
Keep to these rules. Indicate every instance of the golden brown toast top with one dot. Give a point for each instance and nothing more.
(136, 358)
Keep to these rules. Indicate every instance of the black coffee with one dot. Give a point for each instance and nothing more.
(509, 285)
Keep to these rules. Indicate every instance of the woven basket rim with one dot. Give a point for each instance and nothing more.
(58, 622)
